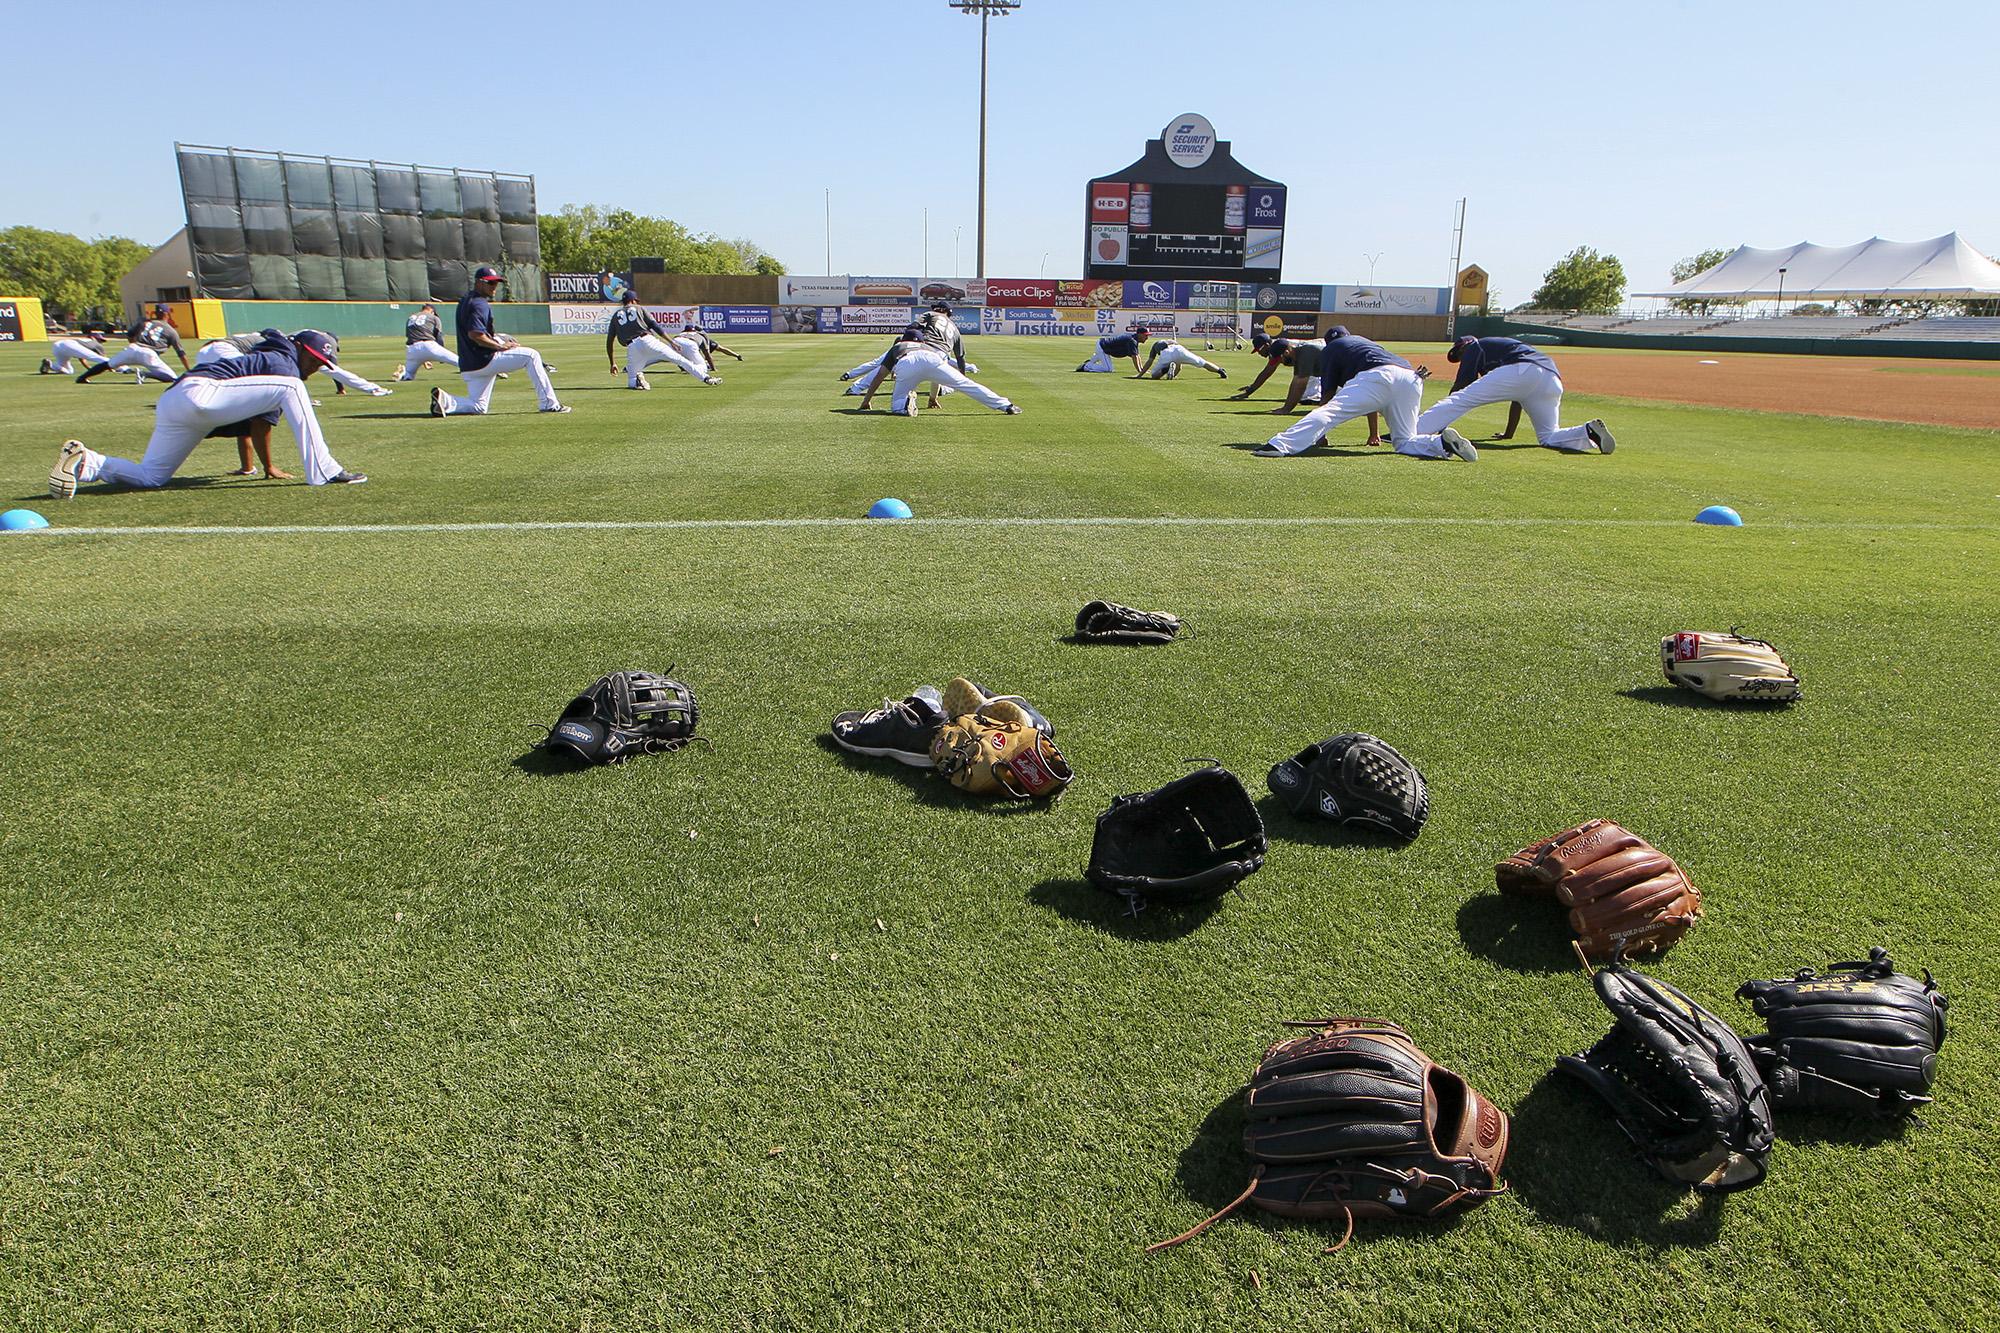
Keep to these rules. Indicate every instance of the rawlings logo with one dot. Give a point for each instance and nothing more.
(1687, 647)
(1488, 1129)
(1398, 1198)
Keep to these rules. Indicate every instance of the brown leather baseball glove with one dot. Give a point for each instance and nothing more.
(1624, 895)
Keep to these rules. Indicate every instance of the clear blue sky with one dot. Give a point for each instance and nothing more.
(1650, 131)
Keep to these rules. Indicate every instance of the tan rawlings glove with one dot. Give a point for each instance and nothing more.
(1727, 666)
(1625, 896)
(992, 747)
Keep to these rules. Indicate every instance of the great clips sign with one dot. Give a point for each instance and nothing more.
(1110, 201)
(1021, 291)
(1189, 140)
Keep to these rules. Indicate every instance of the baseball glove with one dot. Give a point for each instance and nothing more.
(623, 714)
(1191, 840)
(1728, 666)
(997, 746)
(1357, 779)
(1682, 1084)
(1352, 1120)
(1862, 1037)
(1624, 895)
(1108, 622)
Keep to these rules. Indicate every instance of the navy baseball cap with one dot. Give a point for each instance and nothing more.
(1458, 347)
(1278, 346)
(629, 298)
(323, 347)
(487, 273)
(941, 308)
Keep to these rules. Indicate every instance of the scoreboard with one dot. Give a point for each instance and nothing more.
(1186, 210)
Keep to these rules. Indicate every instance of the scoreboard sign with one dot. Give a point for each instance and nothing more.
(1185, 210)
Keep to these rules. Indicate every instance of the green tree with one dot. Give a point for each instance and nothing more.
(589, 239)
(1684, 269)
(68, 273)
(1582, 280)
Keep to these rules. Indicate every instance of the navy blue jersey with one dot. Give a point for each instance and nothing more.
(1479, 355)
(629, 323)
(423, 328)
(475, 315)
(275, 355)
(1346, 355)
(1125, 344)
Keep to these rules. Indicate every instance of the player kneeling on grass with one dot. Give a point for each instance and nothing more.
(65, 353)
(222, 393)
(1171, 356)
(1499, 370)
(915, 362)
(484, 353)
(423, 344)
(645, 344)
(1118, 347)
(144, 342)
(1358, 377)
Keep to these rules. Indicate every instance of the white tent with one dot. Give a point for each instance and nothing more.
(1940, 268)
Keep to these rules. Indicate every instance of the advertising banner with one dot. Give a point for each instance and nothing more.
(957, 291)
(1042, 322)
(1153, 321)
(1285, 296)
(1286, 324)
(801, 319)
(573, 318)
(1207, 295)
(1149, 294)
(1020, 291)
(882, 291)
(1089, 293)
(1108, 245)
(1266, 206)
(736, 318)
(577, 287)
(1110, 201)
(966, 317)
(1386, 300)
(1263, 248)
(10, 322)
(875, 318)
(811, 291)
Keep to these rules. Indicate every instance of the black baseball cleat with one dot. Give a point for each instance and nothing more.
(900, 730)
(845, 377)
(46, 367)
(1012, 409)
(1266, 451)
(1600, 435)
(437, 402)
(346, 478)
(1223, 373)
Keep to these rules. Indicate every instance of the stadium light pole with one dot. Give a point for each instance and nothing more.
(986, 9)
(1781, 291)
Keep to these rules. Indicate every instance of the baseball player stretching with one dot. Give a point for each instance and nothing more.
(1498, 370)
(915, 360)
(1118, 347)
(645, 343)
(67, 351)
(423, 343)
(1171, 356)
(483, 354)
(1358, 377)
(242, 344)
(693, 340)
(228, 392)
(1303, 357)
(144, 342)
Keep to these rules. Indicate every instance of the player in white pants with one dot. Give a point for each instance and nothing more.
(423, 339)
(144, 342)
(489, 353)
(1170, 357)
(916, 363)
(222, 393)
(1365, 377)
(862, 374)
(1499, 370)
(65, 352)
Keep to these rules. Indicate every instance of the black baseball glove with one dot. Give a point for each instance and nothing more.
(1108, 622)
(1360, 780)
(1860, 1037)
(1681, 1082)
(623, 714)
(1188, 841)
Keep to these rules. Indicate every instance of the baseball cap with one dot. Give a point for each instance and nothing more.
(1278, 346)
(487, 273)
(629, 298)
(1458, 347)
(324, 347)
(941, 307)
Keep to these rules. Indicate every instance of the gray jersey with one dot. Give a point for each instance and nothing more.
(423, 328)
(155, 334)
(941, 332)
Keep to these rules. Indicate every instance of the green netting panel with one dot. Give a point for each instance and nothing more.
(313, 232)
(267, 229)
(398, 190)
(409, 280)
(367, 279)
(402, 237)
(440, 194)
(444, 238)
(482, 241)
(275, 277)
(260, 180)
(517, 201)
(521, 242)
(321, 278)
(308, 184)
(225, 277)
(354, 188)
(216, 228)
(361, 236)
(478, 198)
(449, 278)
(207, 176)
(524, 282)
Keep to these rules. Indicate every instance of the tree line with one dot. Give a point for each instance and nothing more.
(588, 238)
(72, 276)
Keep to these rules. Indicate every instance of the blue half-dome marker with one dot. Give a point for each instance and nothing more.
(21, 520)
(1721, 516)
(888, 508)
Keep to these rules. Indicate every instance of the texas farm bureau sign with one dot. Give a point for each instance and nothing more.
(1189, 140)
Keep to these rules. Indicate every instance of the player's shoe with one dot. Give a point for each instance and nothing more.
(713, 380)
(900, 730)
(68, 471)
(548, 369)
(46, 369)
(346, 478)
(1268, 451)
(1600, 435)
(1458, 446)
(438, 408)
(1221, 372)
(1012, 409)
(844, 375)
(558, 408)
(639, 383)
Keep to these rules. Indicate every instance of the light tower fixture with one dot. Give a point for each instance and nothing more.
(986, 9)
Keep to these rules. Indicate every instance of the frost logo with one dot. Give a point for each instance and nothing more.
(1189, 140)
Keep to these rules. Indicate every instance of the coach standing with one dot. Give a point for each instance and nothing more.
(1499, 370)
(483, 353)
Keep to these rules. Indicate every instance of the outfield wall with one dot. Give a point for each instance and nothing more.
(1496, 326)
(358, 319)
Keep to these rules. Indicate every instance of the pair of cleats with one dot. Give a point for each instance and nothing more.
(639, 383)
(1455, 446)
(439, 397)
(67, 474)
(902, 729)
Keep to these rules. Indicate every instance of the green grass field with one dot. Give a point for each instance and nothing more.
(324, 1004)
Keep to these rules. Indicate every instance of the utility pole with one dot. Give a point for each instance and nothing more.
(1451, 288)
(986, 9)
